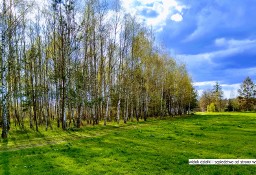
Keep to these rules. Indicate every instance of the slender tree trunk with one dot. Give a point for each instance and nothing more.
(78, 123)
(33, 96)
(4, 75)
(132, 112)
(107, 110)
(127, 110)
(118, 110)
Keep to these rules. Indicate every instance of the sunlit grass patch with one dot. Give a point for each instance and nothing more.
(152, 147)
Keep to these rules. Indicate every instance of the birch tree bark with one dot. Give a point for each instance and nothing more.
(4, 67)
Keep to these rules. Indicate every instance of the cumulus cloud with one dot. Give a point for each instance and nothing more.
(212, 59)
(234, 42)
(161, 11)
(177, 17)
(149, 12)
(205, 83)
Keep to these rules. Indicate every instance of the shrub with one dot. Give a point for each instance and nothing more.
(211, 108)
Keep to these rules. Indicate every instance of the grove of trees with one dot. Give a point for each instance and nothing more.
(68, 66)
(213, 101)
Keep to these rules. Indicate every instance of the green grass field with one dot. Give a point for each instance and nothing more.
(152, 147)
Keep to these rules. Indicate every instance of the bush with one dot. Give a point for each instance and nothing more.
(211, 108)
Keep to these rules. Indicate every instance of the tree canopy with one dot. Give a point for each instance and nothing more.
(247, 94)
(84, 65)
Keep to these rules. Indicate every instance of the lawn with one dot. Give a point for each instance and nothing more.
(151, 147)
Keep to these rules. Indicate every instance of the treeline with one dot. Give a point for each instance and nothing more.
(66, 66)
(213, 100)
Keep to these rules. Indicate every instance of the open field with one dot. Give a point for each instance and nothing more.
(152, 147)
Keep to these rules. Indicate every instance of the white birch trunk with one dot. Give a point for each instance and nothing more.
(4, 68)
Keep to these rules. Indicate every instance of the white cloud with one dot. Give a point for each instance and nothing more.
(177, 17)
(230, 93)
(234, 43)
(204, 83)
(230, 86)
(233, 47)
(242, 72)
(220, 42)
(230, 90)
(164, 8)
(197, 60)
(129, 6)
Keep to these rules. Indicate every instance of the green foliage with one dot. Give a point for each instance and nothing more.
(213, 96)
(205, 100)
(217, 94)
(194, 97)
(211, 108)
(247, 94)
(232, 105)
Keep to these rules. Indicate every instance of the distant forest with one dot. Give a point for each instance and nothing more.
(85, 62)
(213, 101)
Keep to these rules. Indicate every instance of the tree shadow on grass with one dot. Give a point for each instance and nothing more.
(5, 158)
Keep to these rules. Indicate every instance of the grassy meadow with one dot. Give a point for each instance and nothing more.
(151, 147)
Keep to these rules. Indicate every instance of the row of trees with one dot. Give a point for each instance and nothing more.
(68, 66)
(213, 101)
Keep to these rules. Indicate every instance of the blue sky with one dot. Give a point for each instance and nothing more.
(215, 38)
